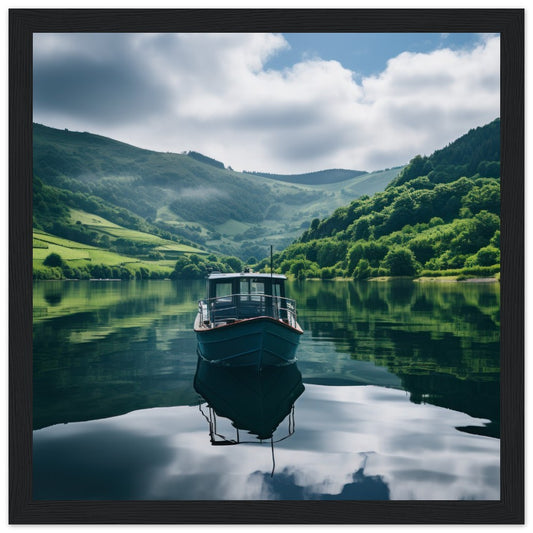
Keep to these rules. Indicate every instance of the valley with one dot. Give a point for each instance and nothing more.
(104, 209)
(146, 205)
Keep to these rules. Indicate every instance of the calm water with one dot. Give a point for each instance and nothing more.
(395, 395)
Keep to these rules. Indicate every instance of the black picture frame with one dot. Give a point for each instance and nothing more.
(509, 23)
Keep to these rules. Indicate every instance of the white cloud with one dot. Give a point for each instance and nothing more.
(212, 93)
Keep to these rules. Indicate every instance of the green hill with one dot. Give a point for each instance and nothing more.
(439, 216)
(188, 198)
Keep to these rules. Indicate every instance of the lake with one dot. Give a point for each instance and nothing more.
(395, 396)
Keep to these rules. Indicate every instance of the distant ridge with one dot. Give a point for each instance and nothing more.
(320, 177)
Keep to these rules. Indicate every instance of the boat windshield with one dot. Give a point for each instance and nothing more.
(224, 291)
(238, 297)
(246, 286)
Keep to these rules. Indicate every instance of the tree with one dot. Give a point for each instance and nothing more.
(489, 169)
(362, 228)
(142, 273)
(105, 241)
(401, 262)
(327, 273)
(234, 263)
(421, 182)
(373, 251)
(476, 233)
(436, 221)
(330, 252)
(418, 166)
(156, 256)
(488, 256)
(402, 213)
(362, 270)
(495, 241)
(53, 260)
(298, 268)
(423, 249)
(486, 197)
(191, 271)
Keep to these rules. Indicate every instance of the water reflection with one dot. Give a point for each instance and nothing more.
(103, 349)
(359, 486)
(352, 442)
(439, 341)
(401, 396)
(254, 401)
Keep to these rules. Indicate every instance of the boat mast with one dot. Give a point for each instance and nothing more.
(271, 263)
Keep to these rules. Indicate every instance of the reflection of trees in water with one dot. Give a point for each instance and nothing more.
(478, 398)
(102, 351)
(53, 296)
(454, 319)
(103, 377)
(441, 340)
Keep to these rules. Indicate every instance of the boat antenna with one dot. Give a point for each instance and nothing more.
(271, 262)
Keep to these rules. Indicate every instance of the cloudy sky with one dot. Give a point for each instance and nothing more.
(284, 103)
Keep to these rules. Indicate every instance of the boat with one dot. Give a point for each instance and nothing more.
(246, 320)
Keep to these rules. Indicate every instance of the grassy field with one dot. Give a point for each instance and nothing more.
(72, 251)
(44, 240)
(103, 226)
(90, 220)
(78, 255)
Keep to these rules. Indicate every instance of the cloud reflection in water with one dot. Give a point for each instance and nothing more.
(352, 442)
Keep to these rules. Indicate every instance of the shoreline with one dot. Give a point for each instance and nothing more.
(421, 279)
(453, 279)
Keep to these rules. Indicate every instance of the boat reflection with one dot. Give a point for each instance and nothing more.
(255, 402)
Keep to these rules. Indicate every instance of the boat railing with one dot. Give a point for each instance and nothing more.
(230, 308)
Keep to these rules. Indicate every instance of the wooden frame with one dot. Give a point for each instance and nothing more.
(509, 23)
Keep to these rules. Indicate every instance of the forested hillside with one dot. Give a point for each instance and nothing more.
(188, 197)
(440, 216)
(110, 209)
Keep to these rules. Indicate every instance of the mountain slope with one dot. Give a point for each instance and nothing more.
(478, 151)
(440, 215)
(189, 196)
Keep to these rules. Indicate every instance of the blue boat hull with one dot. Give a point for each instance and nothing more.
(259, 341)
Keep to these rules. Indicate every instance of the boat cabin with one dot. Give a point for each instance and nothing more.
(220, 285)
(233, 297)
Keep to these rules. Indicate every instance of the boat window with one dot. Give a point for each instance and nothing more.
(276, 289)
(257, 287)
(244, 290)
(223, 289)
